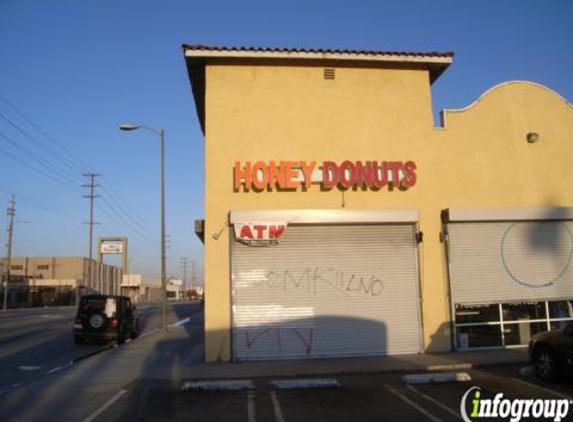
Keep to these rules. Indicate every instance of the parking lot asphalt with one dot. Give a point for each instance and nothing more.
(361, 397)
(143, 380)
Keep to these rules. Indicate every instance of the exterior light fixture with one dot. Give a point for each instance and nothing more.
(129, 127)
(532, 137)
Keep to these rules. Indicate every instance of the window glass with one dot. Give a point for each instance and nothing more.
(521, 333)
(479, 336)
(43, 267)
(557, 325)
(560, 309)
(523, 311)
(16, 267)
(476, 313)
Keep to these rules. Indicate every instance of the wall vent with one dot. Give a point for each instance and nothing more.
(328, 73)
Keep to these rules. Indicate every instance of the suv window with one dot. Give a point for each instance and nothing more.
(106, 305)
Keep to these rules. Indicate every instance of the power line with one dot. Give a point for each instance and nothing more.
(36, 169)
(27, 199)
(126, 222)
(132, 217)
(65, 175)
(52, 152)
(45, 134)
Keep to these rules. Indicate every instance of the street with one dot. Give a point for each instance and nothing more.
(46, 377)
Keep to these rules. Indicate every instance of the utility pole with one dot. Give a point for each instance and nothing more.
(184, 264)
(91, 185)
(193, 275)
(11, 213)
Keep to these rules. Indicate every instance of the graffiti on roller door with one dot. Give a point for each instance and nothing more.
(304, 335)
(315, 280)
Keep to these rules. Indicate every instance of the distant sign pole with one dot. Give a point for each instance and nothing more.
(114, 246)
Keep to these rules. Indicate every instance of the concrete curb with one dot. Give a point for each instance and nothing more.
(291, 384)
(436, 378)
(210, 371)
(217, 385)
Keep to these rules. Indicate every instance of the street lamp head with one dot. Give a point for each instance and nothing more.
(129, 127)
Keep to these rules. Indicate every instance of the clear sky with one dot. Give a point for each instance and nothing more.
(72, 70)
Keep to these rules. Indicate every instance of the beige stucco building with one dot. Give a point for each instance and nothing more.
(43, 280)
(340, 220)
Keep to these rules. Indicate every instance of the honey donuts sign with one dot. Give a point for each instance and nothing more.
(295, 175)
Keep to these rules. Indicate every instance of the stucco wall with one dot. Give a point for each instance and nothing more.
(480, 158)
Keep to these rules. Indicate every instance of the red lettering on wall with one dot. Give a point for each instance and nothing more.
(260, 231)
(246, 232)
(242, 174)
(276, 231)
(307, 170)
(260, 175)
(276, 175)
(330, 174)
(411, 178)
(347, 174)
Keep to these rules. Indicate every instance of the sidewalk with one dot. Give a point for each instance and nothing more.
(184, 362)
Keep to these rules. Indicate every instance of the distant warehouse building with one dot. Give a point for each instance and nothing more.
(39, 281)
(141, 288)
(341, 221)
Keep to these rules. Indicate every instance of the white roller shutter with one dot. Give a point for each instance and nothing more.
(510, 261)
(327, 291)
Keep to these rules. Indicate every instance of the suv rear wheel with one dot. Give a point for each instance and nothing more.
(546, 364)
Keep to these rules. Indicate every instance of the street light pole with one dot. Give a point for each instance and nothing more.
(161, 134)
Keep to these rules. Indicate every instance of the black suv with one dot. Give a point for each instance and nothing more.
(105, 317)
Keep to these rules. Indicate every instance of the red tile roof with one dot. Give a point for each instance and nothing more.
(200, 47)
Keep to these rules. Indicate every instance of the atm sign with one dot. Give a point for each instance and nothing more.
(259, 232)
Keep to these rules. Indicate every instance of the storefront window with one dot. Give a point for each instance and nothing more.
(479, 336)
(521, 333)
(467, 314)
(560, 309)
(523, 311)
(481, 325)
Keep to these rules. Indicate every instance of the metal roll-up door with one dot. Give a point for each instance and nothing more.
(510, 261)
(327, 291)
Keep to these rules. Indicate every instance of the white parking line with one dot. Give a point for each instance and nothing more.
(180, 322)
(414, 405)
(105, 406)
(251, 408)
(172, 325)
(147, 333)
(56, 369)
(547, 390)
(277, 407)
(433, 400)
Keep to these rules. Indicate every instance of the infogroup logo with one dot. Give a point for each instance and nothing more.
(510, 409)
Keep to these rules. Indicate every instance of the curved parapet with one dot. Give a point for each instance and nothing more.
(525, 96)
